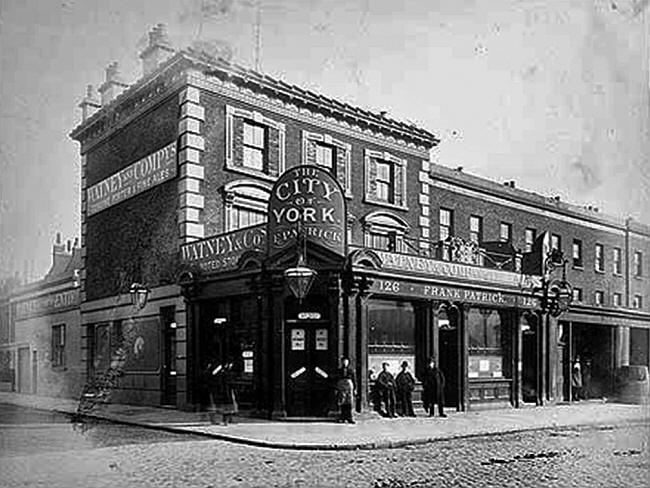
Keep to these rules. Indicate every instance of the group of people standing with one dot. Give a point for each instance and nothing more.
(394, 393)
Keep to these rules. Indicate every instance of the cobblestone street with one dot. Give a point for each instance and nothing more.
(601, 456)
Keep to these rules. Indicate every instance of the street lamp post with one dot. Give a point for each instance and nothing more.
(555, 294)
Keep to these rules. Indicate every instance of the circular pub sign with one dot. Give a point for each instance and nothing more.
(308, 199)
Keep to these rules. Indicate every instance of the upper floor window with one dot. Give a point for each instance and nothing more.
(618, 267)
(254, 143)
(600, 258)
(556, 242)
(618, 299)
(638, 263)
(577, 294)
(384, 231)
(385, 179)
(529, 239)
(58, 345)
(577, 253)
(599, 297)
(245, 203)
(332, 154)
(446, 223)
(505, 232)
(637, 302)
(254, 155)
(476, 229)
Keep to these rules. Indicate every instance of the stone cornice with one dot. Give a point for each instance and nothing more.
(315, 119)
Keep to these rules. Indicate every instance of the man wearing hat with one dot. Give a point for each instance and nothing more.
(433, 386)
(386, 390)
(405, 385)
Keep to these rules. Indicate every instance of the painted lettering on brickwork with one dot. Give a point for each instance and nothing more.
(53, 302)
(418, 264)
(146, 173)
(222, 252)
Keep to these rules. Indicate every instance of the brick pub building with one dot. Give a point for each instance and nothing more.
(206, 181)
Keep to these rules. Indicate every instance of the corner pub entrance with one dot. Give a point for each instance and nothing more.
(370, 305)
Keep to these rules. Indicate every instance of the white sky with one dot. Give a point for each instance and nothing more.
(552, 94)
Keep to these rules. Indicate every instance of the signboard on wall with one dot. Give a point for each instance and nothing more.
(47, 304)
(145, 173)
(418, 264)
(222, 252)
(309, 198)
(452, 293)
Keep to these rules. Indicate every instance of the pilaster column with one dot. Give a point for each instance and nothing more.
(361, 311)
(622, 357)
(190, 146)
(425, 206)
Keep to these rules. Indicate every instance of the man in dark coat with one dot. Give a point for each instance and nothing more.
(405, 385)
(434, 389)
(386, 388)
(346, 386)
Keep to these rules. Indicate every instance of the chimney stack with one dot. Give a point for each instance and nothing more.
(158, 50)
(90, 104)
(113, 84)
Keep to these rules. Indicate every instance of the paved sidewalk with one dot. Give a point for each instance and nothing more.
(370, 431)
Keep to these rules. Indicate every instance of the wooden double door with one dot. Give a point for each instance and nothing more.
(308, 372)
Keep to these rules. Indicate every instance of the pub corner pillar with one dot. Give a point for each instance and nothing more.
(278, 353)
(360, 317)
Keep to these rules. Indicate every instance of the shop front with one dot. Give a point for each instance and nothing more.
(273, 307)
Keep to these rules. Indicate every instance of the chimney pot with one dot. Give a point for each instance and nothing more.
(69, 245)
(90, 103)
(159, 49)
(76, 242)
(58, 238)
(113, 84)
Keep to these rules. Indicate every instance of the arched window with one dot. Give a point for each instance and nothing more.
(384, 231)
(245, 203)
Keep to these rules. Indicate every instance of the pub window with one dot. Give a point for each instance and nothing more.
(599, 298)
(58, 345)
(446, 223)
(254, 146)
(385, 179)
(556, 242)
(384, 231)
(505, 232)
(618, 269)
(485, 336)
(245, 203)
(577, 294)
(254, 143)
(476, 229)
(577, 253)
(391, 335)
(331, 154)
(618, 299)
(325, 157)
(638, 263)
(529, 239)
(637, 302)
(599, 258)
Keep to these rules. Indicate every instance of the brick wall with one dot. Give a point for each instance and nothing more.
(137, 239)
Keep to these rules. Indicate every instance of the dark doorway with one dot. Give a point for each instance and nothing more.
(449, 361)
(529, 360)
(24, 371)
(307, 368)
(167, 317)
(593, 345)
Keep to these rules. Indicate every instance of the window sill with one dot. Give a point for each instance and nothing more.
(579, 267)
(638, 277)
(385, 204)
(251, 172)
(599, 271)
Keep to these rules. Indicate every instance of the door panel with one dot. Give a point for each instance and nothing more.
(24, 371)
(307, 373)
(449, 361)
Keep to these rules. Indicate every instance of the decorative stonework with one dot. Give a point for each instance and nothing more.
(190, 144)
(425, 205)
(84, 213)
(305, 115)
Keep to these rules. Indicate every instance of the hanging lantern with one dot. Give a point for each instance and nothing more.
(300, 278)
(139, 295)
